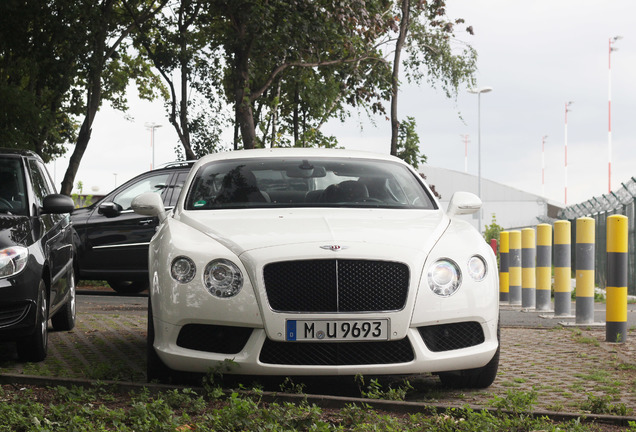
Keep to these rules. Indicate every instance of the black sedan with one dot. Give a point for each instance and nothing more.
(36, 255)
(112, 241)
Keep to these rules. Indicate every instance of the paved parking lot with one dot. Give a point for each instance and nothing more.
(563, 365)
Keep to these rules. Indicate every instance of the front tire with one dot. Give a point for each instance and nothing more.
(128, 287)
(34, 347)
(474, 378)
(156, 369)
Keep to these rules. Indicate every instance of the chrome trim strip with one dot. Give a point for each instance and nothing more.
(121, 245)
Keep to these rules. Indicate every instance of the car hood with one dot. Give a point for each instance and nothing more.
(242, 231)
(14, 230)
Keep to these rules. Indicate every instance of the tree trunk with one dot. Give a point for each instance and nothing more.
(395, 123)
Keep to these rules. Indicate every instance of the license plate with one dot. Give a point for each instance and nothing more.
(337, 330)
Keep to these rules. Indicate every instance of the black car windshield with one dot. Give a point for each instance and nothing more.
(12, 190)
(302, 182)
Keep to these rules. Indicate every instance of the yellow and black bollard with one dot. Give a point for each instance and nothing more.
(504, 281)
(616, 325)
(514, 263)
(544, 267)
(528, 272)
(562, 268)
(585, 239)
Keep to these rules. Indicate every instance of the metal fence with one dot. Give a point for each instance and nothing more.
(621, 201)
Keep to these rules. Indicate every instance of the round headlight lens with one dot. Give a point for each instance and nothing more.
(444, 277)
(477, 268)
(13, 260)
(223, 278)
(183, 269)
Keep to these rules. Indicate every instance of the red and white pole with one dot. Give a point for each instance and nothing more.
(612, 41)
(567, 105)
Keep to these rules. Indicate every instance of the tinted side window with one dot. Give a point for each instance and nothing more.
(156, 183)
(176, 188)
(41, 183)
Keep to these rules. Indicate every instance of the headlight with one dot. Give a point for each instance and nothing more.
(13, 260)
(223, 278)
(477, 268)
(444, 277)
(183, 269)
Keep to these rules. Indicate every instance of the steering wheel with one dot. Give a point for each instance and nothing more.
(5, 203)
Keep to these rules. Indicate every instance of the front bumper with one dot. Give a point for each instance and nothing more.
(419, 352)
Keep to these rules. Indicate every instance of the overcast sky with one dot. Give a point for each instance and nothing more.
(536, 55)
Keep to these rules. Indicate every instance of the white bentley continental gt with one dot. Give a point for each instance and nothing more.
(319, 262)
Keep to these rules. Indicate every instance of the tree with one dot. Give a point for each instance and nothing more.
(38, 58)
(492, 231)
(264, 41)
(427, 34)
(408, 141)
(107, 68)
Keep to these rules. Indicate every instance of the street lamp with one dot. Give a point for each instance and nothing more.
(152, 126)
(567, 110)
(612, 41)
(478, 92)
(543, 165)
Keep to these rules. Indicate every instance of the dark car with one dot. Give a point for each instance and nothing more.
(36, 255)
(112, 241)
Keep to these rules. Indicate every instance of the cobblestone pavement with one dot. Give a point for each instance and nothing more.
(563, 365)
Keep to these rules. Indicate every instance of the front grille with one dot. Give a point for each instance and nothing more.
(213, 338)
(336, 285)
(336, 354)
(447, 337)
(12, 314)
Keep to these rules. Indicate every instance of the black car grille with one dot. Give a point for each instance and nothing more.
(336, 354)
(336, 285)
(213, 338)
(447, 337)
(12, 314)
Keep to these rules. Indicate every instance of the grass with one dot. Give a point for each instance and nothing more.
(103, 408)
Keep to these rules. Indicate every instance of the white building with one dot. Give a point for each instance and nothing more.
(513, 208)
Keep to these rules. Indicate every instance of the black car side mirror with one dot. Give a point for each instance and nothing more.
(57, 204)
(110, 209)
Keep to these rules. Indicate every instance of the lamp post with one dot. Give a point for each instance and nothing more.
(543, 165)
(567, 109)
(612, 41)
(478, 92)
(152, 126)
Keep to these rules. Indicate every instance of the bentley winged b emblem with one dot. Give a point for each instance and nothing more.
(334, 248)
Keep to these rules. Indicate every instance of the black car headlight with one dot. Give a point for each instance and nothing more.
(223, 278)
(444, 277)
(13, 260)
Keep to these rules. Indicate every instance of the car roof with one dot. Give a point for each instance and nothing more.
(296, 152)
(18, 152)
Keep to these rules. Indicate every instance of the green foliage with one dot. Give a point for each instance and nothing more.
(409, 143)
(603, 405)
(374, 390)
(515, 401)
(492, 231)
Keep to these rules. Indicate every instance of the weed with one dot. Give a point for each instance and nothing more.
(515, 401)
(288, 386)
(375, 390)
(603, 405)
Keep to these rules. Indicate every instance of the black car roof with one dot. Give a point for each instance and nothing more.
(18, 152)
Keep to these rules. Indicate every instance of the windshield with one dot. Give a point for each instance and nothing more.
(324, 182)
(12, 191)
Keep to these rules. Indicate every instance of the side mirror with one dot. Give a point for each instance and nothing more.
(109, 209)
(463, 203)
(57, 204)
(149, 204)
